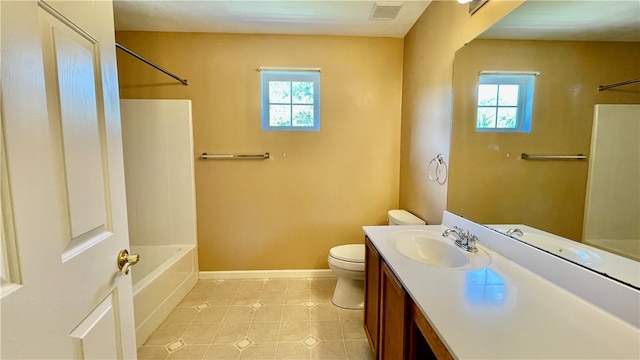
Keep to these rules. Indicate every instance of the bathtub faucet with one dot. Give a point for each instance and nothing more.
(514, 231)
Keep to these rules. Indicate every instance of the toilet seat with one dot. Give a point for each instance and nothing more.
(351, 253)
(345, 265)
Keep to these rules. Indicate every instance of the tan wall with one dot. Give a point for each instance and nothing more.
(285, 212)
(489, 182)
(430, 46)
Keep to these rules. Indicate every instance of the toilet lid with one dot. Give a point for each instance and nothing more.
(351, 252)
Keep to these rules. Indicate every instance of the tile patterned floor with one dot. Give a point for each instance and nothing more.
(259, 319)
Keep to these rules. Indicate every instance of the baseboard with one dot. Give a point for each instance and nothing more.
(267, 274)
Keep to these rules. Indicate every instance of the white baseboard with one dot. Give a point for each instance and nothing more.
(267, 274)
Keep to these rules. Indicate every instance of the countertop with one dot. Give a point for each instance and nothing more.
(505, 311)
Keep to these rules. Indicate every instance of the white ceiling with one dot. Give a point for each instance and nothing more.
(265, 17)
(589, 20)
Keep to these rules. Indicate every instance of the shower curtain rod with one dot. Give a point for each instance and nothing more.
(183, 81)
(605, 87)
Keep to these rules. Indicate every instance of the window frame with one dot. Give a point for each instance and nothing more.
(267, 76)
(526, 84)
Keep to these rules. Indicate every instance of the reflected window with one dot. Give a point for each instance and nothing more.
(505, 103)
(290, 101)
(484, 287)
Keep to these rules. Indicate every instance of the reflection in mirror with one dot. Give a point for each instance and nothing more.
(490, 183)
(614, 266)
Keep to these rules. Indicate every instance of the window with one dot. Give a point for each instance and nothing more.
(505, 102)
(290, 100)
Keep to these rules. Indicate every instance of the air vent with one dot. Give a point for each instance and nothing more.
(385, 10)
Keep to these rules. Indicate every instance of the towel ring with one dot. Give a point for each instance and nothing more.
(439, 163)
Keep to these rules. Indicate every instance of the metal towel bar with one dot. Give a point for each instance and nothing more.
(553, 157)
(234, 157)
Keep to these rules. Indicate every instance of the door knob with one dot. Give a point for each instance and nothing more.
(126, 260)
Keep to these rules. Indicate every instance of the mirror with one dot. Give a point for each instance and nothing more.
(490, 182)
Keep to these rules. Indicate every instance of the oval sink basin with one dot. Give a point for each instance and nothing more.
(427, 249)
(431, 248)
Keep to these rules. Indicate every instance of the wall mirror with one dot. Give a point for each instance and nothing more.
(576, 47)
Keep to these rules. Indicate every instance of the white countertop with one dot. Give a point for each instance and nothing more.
(505, 311)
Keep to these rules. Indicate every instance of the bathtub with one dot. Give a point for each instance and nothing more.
(162, 278)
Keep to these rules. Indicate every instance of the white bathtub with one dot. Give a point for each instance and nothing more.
(162, 278)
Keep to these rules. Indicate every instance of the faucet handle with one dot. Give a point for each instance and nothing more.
(471, 244)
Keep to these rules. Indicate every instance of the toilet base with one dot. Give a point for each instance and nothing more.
(349, 294)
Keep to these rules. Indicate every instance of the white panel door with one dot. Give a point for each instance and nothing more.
(63, 199)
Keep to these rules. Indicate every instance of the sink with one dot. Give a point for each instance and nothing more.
(426, 247)
(431, 248)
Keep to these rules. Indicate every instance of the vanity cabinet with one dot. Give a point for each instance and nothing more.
(424, 342)
(394, 325)
(372, 290)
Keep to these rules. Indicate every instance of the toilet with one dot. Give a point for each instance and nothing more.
(347, 264)
(403, 217)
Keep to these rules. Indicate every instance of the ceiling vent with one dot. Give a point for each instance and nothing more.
(385, 10)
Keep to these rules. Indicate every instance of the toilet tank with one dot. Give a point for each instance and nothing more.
(403, 217)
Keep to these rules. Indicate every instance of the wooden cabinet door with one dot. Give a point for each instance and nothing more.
(371, 295)
(394, 317)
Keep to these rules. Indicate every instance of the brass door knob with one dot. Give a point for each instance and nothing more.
(126, 260)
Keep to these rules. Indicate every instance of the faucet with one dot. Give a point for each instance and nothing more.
(464, 239)
(455, 231)
(514, 231)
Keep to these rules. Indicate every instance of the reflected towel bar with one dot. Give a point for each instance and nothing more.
(605, 87)
(234, 157)
(553, 157)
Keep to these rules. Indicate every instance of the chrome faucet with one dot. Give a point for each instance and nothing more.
(514, 231)
(455, 231)
(464, 239)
